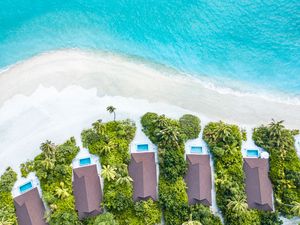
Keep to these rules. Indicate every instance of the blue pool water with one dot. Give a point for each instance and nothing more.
(142, 148)
(196, 149)
(252, 153)
(255, 43)
(84, 161)
(25, 187)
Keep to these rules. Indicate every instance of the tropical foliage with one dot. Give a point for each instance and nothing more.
(284, 165)
(190, 126)
(7, 210)
(102, 219)
(53, 168)
(170, 135)
(112, 109)
(224, 141)
(110, 141)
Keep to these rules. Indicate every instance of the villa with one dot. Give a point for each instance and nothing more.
(86, 188)
(29, 206)
(198, 179)
(142, 169)
(258, 184)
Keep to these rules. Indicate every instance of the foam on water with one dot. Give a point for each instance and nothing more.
(246, 46)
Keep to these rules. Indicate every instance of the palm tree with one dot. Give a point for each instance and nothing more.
(223, 131)
(48, 163)
(296, 208)
(124, 180)
(276, 129)
(108, 147)
(61, 191)
(99, 127)
(48, 148)
(161, 121)
(237, 204)
(105, 150)
(170, 136)
(108, 172)
(112, 109)
(192, 222)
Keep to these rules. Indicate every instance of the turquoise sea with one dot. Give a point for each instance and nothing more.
(249, 44)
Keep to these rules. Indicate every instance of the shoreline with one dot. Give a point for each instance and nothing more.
(118, 76)
(213, 85)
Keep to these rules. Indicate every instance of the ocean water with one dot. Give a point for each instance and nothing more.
(246, 45)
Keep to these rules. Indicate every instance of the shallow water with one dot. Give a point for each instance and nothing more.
(245, 45)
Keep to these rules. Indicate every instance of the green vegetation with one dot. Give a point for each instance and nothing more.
(190, 126)
(170, 135)
(225, 142)
(284, 165)
(7, 209)
(110, 141)
(102, 219)
(53, 168)
(112, 109)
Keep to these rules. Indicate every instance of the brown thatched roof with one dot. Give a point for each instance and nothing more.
(198, 179)
(258, 184)
(87, 191)
(142, 169)
(30, 208)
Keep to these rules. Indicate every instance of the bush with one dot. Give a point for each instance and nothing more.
(202, 213)
(169, 135)
(105, 219)
(284, 164)
(148, 212)
(53, 168)
(190, 126)
(172, 164)
(225, 141)
(7, 209)
(110, 141)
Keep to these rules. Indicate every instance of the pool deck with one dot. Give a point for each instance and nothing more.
(250, 145)
(21, 181)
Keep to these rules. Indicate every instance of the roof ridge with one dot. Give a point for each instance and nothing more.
(24, 205)
(144, 177)
(260, 177)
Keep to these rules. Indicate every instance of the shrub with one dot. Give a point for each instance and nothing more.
(53, 168)
(104, 219)
(225, 141)
(202, 213)
(190, 126)
(172, 164)
(110, 141)
(148, 212)
(169, 135)
(7, 209)
(284, 164)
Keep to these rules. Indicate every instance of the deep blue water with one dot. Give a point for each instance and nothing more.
(253, 42)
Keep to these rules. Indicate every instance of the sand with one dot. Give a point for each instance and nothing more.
(56, 95)
(119, 76)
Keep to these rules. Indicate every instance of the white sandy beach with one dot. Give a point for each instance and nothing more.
(56, 95)
(119, 76)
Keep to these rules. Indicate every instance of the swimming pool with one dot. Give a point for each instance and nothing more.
(252, 153)
(25, 187)
(142, 148)
(196, 149)
(85, 161)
